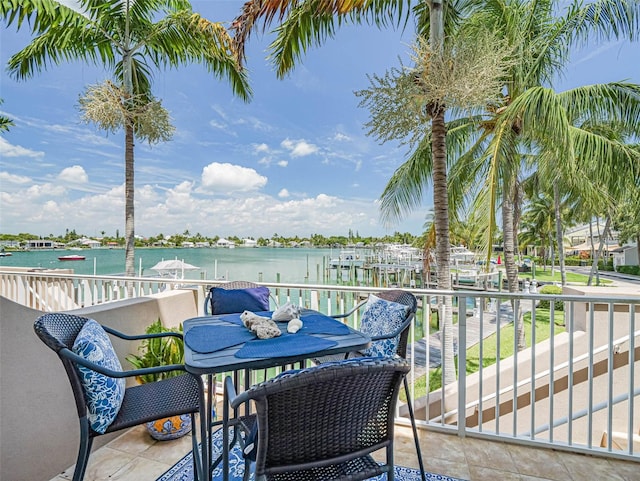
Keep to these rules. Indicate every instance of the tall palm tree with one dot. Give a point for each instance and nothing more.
(304, 23)
(130, 38)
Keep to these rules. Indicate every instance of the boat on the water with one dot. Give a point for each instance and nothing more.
(72, 257)
(5, 254)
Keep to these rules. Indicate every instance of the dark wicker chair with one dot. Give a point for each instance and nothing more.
(323, 423)
(142, 403)
(208, 302)
(408, 299)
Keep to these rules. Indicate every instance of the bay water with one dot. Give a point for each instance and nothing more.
(261, 264)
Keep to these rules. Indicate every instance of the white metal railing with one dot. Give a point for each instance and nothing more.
(576, 390)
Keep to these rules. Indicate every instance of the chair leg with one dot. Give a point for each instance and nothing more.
(84, 451)
(197, 464)
(415, 430)
(247, 469)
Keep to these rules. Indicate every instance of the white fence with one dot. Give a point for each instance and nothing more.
(576, 387)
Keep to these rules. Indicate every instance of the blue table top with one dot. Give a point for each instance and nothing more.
(220, 343)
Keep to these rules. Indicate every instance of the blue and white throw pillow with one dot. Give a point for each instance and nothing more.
(103, 394)
(382, 317)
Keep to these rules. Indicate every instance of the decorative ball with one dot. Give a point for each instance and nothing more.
(169, 428)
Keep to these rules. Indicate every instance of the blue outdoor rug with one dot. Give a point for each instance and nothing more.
(183, 469)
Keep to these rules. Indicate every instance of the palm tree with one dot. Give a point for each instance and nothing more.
(305, 23)
(130, 38)
(492, 146)
(530, 114)
(610, 170)
(627, 219)
(537, 223)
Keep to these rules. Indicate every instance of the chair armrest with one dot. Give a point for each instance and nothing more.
(136, 337)
(69, 354)
(395, 333)
(207, 304)
(232, 399)
(351, 311)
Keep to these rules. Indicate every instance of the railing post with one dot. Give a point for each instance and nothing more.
(462, 365)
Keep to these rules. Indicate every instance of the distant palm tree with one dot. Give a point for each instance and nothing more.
(130, 37)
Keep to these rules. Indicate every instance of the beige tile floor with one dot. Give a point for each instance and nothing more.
(134, 456)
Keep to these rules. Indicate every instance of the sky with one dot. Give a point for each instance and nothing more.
(295, 160)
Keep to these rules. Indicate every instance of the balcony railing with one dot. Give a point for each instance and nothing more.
(575, 387)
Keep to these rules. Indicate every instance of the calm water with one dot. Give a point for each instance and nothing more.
(256, 264)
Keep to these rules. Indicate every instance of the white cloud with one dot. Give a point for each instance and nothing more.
(222, 126)
(220, 111)
(9, 150)
(299, 148)
(283, 163)
(340, 137)
(48, 208)
(260, 148)
(254, 123)
(227, 178)
(14, 179)
(75, 174)
(39, 191)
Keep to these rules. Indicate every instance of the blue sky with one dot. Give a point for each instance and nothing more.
(294, 161)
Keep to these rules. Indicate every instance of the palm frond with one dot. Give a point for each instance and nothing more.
(302, 29)
(67, 38)
(405, 190)
(612, 102)
(308, 22)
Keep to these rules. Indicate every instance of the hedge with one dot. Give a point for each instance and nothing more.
(633, 270)
(554, 290)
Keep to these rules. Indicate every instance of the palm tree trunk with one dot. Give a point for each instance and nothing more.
(441, 199)
(129, 185)
(129, 226)
(596, 257)
(559, 236)
(552, 255)
(509, 256)
(443, 245)
(508, 240)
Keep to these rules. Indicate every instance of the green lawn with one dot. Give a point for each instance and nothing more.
(543, 331)
(572, 277)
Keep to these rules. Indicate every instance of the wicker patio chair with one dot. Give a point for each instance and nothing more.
(322, 423)
(401, 335)
(140, 404)
(246, 302)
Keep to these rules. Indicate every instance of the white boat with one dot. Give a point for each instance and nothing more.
(72, 257)
(346, 259)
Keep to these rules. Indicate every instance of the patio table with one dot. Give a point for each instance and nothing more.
(220, 343)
